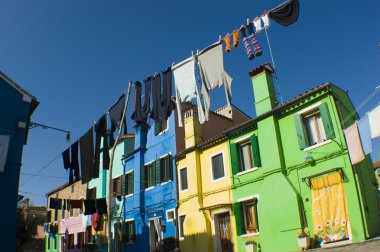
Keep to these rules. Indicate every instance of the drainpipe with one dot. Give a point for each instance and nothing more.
(176, 210)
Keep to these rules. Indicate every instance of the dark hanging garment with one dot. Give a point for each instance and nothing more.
(75, 160)
(101, 206)
(163, 104)
(76, 204)
(116, 113)
(66, 158)
(101, 132)
(169, 104)
(87, 156)
(141, 113)
(71, 176)
(286, 13)
(89, 207)
(55, 203)
(157, 107)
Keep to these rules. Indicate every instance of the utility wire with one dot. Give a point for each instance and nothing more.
(35, 194)
(45, 176)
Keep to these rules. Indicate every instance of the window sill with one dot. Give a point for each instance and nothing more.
(250, 234)
(166, 182)
(129, 195)
(317, 145)
(247, 171)
(216, 180)
(183, 191)
(162, 132)
(149, 188)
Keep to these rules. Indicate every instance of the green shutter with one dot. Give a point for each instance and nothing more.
(170, 167)
(234, 158)
(130, 181)
(326, 119)
(300, 128)
(255, 151)
(157, 171)
(142, 178)
(123, 184)
(157, 127)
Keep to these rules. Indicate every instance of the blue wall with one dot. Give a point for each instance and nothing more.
(13, 109)
(146, 204)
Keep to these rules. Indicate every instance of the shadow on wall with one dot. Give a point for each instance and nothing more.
(197, 242)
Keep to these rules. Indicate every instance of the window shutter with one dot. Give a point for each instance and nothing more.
(157, 172)
(255, 151)
(142, 178)
(234, 158)
(326, 119)
(169, 162)
(157, 128)
(123, 184)
(300, 128)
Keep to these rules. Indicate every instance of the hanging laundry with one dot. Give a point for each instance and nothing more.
(254, 41)
(227, 40)
(4, 145)
(213, 75)
(71, 176)
(101, 206)
(141, 113)
(101, 133)
(74, 160)
(116, 113)
(246, 44)
(235, 37)
(186, 87)
(365, 134)
(66, 158)
(169, 104)
(87, 156)
(286, 13)
(353, 143)
(374, 121)
(95, 221)
(89, 207)
(55, 203)
(265, 19)
(76, 204)
(64, 204)
(257, 24)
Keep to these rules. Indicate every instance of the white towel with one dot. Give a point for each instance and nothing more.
(257, 23)
(374, 122)
(4, 144)
(265, 19)
(353, 143)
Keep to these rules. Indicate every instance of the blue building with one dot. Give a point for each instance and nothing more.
(16, 108)
(150, 189)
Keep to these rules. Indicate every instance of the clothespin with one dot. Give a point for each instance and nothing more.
(172, 64)
(197, 52)
(220, 38)
(248, 21)
(192, 54)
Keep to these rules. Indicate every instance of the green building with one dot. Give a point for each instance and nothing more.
(291, 170)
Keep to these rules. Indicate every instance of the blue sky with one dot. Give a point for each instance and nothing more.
(77, 57)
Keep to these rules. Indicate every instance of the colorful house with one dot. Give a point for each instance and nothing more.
(16, 109)
(291, 171)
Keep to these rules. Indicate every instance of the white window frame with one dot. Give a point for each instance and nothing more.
(149, 163)
(238, 142)
(245, 199)
(167, 218)
(224, 166)
(131, 220)
(183, 226)
(167, 128)
(179, 181)
(164, 156)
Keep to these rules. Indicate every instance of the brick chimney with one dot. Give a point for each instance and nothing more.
(263, 88)
(193, 131)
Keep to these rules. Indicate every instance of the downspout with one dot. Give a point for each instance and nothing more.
(176, 209)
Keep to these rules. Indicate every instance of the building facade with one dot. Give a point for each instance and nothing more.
(16, 109)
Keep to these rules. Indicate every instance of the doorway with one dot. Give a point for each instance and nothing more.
(155, 234)
(223, 233)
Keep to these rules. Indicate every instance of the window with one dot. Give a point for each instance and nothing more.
(129, 231)
(149, 175)
(48, 241)
(62, 212)
(183, 179)
(71, 212)
(129, 185)
(245, 156)
(181, 223)
(170, 215)
(165, 166)
(116, 186)
(91, 193)
(48, 216)
(160, 126)
(314, 126)
(55, 214)
(55, 242)
(249, 214)
(70, 244)
(217, 166)
(80, 240)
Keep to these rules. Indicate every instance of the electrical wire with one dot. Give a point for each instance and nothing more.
(34, 194)
(45, 176)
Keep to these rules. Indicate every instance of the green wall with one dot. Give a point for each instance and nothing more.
(52, 243)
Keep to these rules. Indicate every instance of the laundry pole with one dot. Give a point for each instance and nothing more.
(109, 197)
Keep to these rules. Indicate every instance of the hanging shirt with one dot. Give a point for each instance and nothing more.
(365, 134)
(101, 133)
(353, 143)
(76, 204)
(116, 113)
(265, 19)
(55, 203)
(101, 206)
(4, 145)
(89, 207)
(257, 24)
(66, 158)
(186, 87)
(213, 74)
(286, 13)
(141, 113)
(87, 156)
(374, 121)
(74, 160)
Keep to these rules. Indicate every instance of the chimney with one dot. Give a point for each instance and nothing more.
(193, 130)
(263, 88)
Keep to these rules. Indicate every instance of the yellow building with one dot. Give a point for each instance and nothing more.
(206, 221)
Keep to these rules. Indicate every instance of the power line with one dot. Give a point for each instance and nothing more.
(46, 176)
(35, 194)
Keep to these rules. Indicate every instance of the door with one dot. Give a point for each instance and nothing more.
(155, 234)
(223, 224)
(330, 216)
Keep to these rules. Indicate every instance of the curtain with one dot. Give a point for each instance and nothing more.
(157, 225)
(329, 208)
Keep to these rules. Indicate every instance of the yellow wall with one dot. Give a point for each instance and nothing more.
(203, 192)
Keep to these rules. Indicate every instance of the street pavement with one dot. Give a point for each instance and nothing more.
(367, 246)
